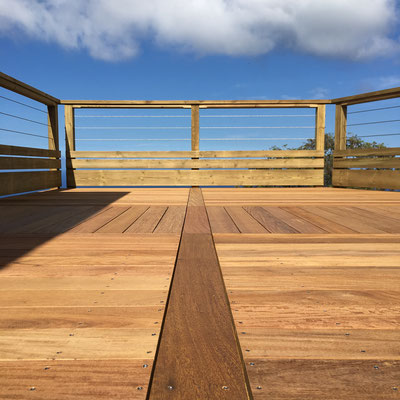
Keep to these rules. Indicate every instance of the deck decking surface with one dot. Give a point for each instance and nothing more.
(310, 275)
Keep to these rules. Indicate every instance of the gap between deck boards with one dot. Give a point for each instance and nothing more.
(198, 354)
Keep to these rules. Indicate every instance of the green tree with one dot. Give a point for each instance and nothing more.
(353, 142)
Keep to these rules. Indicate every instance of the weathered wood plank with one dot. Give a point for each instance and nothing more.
(18, 182)
(27, 151)
(196, 163)
(380, 179)
(381, 162)
(392, 151)
(199, 154)
(29, 163)
(197, 178)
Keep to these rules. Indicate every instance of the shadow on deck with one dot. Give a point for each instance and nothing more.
(307, 306)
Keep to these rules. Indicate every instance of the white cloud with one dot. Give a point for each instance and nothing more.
(319, 93)
(113, 30)
(387, 82)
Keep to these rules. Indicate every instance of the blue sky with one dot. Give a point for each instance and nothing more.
(277, 53)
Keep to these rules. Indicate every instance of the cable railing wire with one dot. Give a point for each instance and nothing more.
(25, 133)
(24, 119)
(188, 116)
(188, 127)
(372, 109)
(23, 104)
(188, 140)
(375, 122)
(379, 134)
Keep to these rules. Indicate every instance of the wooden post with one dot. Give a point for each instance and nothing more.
(195, 128)
(340, 127)
(69, 142)
(195, 131)
(52, 122)
(320, 127)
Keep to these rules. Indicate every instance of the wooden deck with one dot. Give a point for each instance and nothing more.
(186, 293)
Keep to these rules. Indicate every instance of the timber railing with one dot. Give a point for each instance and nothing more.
(195, 167)
(24, 169)
(371, 167)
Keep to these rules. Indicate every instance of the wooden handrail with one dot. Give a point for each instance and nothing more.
(368, 97)
(26, 90)
(189, 103)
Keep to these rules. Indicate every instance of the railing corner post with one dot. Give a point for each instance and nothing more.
(340, 127)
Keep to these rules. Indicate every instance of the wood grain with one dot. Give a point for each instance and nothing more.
(208, 363)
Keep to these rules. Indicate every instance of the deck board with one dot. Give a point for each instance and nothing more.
(317, 300)
(88, 305)
(198, 356)
(310, 274)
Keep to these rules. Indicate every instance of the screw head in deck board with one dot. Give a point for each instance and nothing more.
(32, 388)
(169, 387)
(225, 387)
(139, 388)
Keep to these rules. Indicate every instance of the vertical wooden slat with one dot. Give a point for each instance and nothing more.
(70, 140)
(52, 120)
(195, 128)
(340, 127)
(195, 131)
(320, 127)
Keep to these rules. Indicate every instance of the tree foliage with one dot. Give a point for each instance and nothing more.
(353, 142)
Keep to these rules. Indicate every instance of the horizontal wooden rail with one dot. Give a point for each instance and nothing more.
(367, 168)
(195, 168)
(29, 163)
(193, 163)
(368, 97)
(204, 177)
(29, 158)
(202, 154)
(189, 103)
(26, 90)
(392, 151)
(18, 182)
